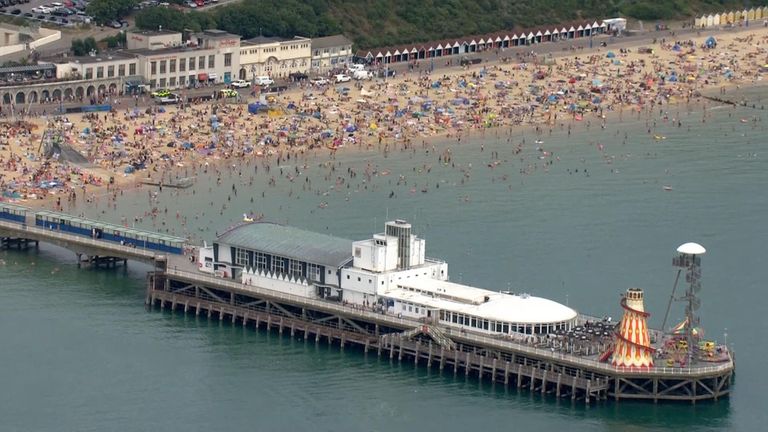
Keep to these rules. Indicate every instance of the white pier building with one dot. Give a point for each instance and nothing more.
(388, 272)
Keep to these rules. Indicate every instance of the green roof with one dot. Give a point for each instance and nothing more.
(290, 242)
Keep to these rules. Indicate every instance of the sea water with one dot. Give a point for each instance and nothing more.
(601, 211)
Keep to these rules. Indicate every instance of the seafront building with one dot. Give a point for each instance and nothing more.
(273, 56)
(168, 59)
(331, 52)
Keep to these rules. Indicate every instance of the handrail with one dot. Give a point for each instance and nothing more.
(488, 341)
(132, 252)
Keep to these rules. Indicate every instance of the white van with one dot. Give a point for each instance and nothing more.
(356, 67)
(362, 75)
(263, 80)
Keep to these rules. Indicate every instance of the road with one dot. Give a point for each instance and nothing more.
(555, 49)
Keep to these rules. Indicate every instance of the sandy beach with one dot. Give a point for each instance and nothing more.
(418, 108)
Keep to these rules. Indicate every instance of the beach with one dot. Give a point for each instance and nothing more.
(575, 92)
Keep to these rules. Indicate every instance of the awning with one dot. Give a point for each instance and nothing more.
(202, 77)
(212, 76)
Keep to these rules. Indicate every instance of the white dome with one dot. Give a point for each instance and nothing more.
(691, 249)
(523, 308)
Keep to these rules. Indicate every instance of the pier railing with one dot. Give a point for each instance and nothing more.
(116, 249)
(492, 342)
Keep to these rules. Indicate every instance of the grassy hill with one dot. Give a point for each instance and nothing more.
(372, 23)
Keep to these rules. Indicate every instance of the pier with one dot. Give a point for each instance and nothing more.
(175, 284)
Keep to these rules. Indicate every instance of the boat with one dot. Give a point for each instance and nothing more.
(667, 188)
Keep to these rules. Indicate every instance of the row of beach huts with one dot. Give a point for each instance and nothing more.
(732, 17)
(498, 40)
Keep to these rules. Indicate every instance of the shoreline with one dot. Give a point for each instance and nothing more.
(400, 135)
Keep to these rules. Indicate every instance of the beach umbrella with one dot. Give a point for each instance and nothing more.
(711, 42)
(610, 54)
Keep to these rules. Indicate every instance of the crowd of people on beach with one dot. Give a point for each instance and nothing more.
(411, 111)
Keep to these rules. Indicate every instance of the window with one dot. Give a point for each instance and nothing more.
(358, 278)
(181, 80)
(162, 66)
(162, 82)
(110, 71)
(417, 310)
(172, 66)
(241, 257)
(358, 252)
(260, 260)
(172, 82)
(121, 70)
(201, 62)
(211, 61)
(227, 60)
(152, 68)
(182, 65)
(132, 69)
(313, 272)
(100, 72)
(294, 268)
(89, 73)
(191, 63)
(278, 264)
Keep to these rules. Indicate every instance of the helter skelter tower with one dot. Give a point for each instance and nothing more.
(633, 345)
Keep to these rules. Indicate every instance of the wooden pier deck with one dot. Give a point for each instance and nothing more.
(497, 359)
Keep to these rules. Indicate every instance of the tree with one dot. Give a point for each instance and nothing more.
(108, 10)
(81, 47)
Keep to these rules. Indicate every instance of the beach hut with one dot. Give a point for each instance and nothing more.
(538, 36)
(580, 31)
(439, 50)
(472, 45)
(455, 47)
(571, 33)
(555, 34)
(547, 36)
(564, 33)
(588, 30)
(697, 22)
(710, 20)
(530, 38)
(498, 42)
(730, 18)
(744, 15)
(505, 42)
(751, 14)
(758, 13)
(595, 27)
(716, 20)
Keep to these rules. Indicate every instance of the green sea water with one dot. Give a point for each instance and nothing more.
(80, 352)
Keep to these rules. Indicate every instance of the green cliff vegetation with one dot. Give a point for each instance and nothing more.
(373, 23)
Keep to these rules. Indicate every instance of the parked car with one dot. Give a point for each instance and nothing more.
(362, 75)
(340, 78)
(116, 24)
(240, 84)
(169, 99)
(318, 81)
(355, 67)
(229, 93)
(263, 80)
(16, 12)
(160, 93)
